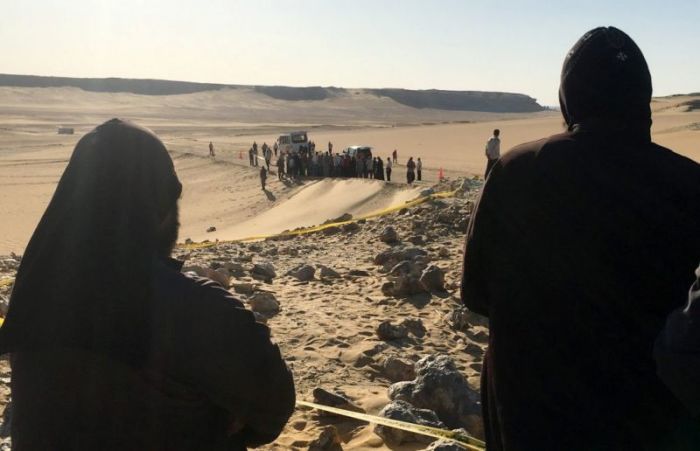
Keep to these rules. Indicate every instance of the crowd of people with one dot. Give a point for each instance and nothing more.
(580, 248)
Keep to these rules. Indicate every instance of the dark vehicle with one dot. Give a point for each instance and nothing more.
(363, 152)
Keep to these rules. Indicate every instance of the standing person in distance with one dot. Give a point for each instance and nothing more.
(492, 151)
(388, 169)
(395, 156)
(419, 169)
(410, 170)
(263, 177)
(211, 149)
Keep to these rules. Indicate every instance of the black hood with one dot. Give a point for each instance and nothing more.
(85, 278)
(606, 84)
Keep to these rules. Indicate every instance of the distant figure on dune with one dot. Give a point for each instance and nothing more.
(580, 246)
(395, 156)
(263, 177)
(410, 170)
(275, 147)
(419, 169)
(388, 169)
(251, 157)
(112, 347)
(267, 153)
(330, 147)
(211, 149)
(493, 151)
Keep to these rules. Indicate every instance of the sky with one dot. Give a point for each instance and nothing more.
(496, 45)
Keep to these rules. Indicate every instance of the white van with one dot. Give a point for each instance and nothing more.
(293, 142)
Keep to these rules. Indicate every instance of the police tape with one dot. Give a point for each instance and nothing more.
(461, 439)
(322, 227)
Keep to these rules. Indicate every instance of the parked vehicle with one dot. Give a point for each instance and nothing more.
(293, 142)
(358, 151)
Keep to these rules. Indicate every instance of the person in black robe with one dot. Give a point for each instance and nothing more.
(579, 247)
(112, 347)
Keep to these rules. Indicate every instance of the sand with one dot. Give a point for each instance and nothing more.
(324, 328)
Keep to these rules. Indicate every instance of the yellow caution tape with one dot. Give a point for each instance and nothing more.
(319, 228)
(466, 441)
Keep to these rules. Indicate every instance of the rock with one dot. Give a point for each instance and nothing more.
(433, 278)
(404, 278)
(331, 230)
(416, 239)
(387, 331)
(243, 288)
(263, 271)
(322, 396)
(440, 387)
(443, 252)
(444, 445)
(351, 227)
(342, 218)
(403, 211)
(6, 426)
(234, 268)
(303, 273)
(403, 411)
(427, 192)
(328, 440)
(389, 235)
(390, 257)
(397, 370)
(415, 326)
(255, 248)
(188, 241)
(358, 273)
(328, 273)
(211, 229)
(264, 303)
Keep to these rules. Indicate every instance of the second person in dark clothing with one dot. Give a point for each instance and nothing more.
(580, 246)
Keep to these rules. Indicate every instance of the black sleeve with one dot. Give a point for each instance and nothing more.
(231, 358)
(480, 242)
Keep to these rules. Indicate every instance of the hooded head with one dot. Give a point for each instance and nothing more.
(606, 84)
(85, 280)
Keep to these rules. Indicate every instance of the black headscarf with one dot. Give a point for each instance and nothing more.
(606, 85)
(85, 280)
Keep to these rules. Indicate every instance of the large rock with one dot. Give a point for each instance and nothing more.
(234, 268)
(303, 273)
(243, 288)
(398, 370)
(328, 440)
(389, 235)
(264, 303)
(328, 273)
(440, 387)
(391, 257)
(433, 278)
(387, 331)
(403, 411)
(263, 271)
(404, 280)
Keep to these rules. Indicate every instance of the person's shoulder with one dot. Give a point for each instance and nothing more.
(529, 151)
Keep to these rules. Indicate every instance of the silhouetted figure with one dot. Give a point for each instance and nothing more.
(580, 246)
(492, 151)
(419, 169)
(112, 346)
(410, 171)
(395, 156)
(211, 149)
(388, 169)
(263, 177)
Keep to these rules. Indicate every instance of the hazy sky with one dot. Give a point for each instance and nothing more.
(515, 46)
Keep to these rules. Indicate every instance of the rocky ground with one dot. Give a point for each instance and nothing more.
(368, 317)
